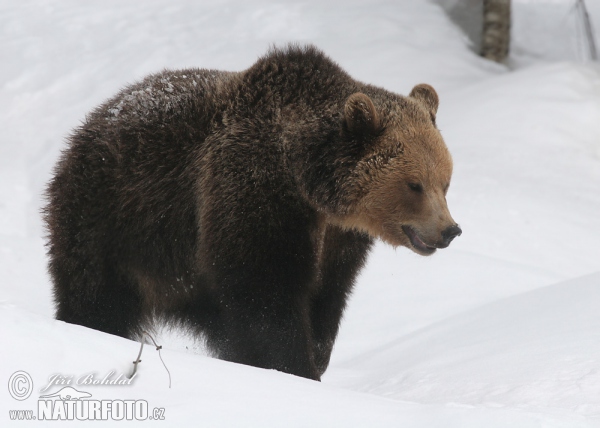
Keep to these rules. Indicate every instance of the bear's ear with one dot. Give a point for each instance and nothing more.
(427, 96)
(360, 114)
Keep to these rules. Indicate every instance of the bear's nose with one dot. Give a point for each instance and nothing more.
(450, 233)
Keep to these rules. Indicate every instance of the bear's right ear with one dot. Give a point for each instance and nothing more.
(427, 96)
(360, 114)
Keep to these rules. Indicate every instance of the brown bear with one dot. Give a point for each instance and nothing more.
(242, 205)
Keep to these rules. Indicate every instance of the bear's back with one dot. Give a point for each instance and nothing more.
(161, 97)
(131, 159)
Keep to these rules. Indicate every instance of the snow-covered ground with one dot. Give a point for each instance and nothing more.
(501, 329)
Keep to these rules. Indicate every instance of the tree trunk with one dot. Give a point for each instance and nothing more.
(496, 29)
(587, 29)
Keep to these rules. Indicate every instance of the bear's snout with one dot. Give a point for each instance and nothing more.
(450, 233)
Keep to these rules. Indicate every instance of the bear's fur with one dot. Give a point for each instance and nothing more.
(242, 205)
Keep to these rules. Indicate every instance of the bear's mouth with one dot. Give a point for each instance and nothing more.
(416, 241)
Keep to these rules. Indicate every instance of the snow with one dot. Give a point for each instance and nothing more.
(484, 356)
(562, 20)
(501, 329)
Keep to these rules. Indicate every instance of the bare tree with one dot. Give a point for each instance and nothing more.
(495, 39)
(587, 29)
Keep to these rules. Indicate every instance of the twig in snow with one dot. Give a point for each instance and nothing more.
(138, 360)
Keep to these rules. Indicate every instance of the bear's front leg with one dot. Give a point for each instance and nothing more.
(261, 274)
(256, 250)
(267, 331)
(344, 254)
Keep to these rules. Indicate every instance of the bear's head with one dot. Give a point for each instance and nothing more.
(404, 173)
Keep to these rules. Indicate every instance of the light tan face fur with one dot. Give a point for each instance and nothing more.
(405, 179)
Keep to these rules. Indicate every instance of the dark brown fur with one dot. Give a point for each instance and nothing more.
(242, 205)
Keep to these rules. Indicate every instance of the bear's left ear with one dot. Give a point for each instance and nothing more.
(427, 96)
(360, 114)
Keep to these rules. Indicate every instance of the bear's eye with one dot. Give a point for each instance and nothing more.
(416, 187)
